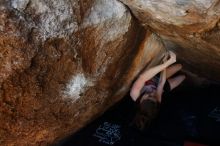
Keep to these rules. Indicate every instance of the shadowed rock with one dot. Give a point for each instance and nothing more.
(63, 63)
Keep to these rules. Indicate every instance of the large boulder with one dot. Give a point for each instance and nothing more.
(190, 28)
(63, 63)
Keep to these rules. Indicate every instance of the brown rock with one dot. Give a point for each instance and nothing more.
(190, 28)
(63, 63)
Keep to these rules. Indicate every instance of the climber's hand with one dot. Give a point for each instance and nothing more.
(171, 59)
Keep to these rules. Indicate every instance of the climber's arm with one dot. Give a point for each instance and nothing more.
(161, 84)
(148, 74)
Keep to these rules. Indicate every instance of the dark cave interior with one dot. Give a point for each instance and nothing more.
(189, 116)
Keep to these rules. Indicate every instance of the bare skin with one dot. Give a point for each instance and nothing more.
(173, 82)
(149, 102)
(166, 72)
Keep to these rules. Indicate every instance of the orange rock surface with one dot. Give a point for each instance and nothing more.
(63, 63)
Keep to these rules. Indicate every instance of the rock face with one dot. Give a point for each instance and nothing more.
(190, 28)
(64, 62)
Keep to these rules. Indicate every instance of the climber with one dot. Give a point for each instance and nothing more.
(147, 90)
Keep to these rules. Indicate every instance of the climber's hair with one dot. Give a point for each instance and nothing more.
(146, 112)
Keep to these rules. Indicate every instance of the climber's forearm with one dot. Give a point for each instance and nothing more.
(145, 76)
(161, 84)
(148, 74)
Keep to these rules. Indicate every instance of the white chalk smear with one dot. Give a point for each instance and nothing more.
(76, 86)
(103, 10)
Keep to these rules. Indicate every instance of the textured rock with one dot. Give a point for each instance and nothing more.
(63, 63)
(190, 28)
